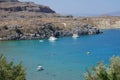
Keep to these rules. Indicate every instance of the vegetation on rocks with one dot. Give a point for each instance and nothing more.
(103, 72)
(27, 20)
(9, 71)
(5, 27)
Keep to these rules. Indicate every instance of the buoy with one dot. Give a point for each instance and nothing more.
(88, 53)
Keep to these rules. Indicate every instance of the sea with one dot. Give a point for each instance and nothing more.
(66, 58)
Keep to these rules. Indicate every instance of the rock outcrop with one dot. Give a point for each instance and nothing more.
(45, 31)
(9, 1)
(103, 22)
(16, 6)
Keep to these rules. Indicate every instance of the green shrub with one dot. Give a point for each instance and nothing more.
(18, 31)
(8, 71)
(103, 72)
(5, 27)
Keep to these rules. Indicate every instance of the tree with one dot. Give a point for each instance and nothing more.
(9, 71)
(103, 72)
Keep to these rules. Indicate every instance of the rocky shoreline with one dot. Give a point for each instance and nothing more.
(47, 30)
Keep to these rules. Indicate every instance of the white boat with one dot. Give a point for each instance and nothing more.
(75, 35)
(39, 68)
(52, 38)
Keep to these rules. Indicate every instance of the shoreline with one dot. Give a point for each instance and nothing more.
(101, 31)
(47, 30)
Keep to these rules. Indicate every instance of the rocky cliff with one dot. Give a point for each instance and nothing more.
(106, 22)
(9, 1)
(24, 6)
(18, 32)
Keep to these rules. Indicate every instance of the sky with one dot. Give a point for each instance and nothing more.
(81, 7)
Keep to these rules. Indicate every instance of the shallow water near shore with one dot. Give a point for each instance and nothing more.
(64, 59)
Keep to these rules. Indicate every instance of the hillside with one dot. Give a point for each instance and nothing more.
(102, 22)
(26, 6)
(117, 13)
(9, 1)
(27, 20)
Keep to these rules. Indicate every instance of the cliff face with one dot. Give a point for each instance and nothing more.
(18, 32)
(15, 6)
(9, 1)
(107, 22)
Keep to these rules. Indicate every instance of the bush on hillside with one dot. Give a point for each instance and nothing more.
(5, 27)
(103, 72)
(9, 71)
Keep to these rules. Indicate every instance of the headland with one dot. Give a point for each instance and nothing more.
(27, 20)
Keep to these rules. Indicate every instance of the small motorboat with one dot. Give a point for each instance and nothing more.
(75, 36)
(52, 38)
(39, 68)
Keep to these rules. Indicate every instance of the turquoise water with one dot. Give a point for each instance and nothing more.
(64, 59)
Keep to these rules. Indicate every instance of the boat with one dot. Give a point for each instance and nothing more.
(39, 68)
(52, 38)
(75, 35)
